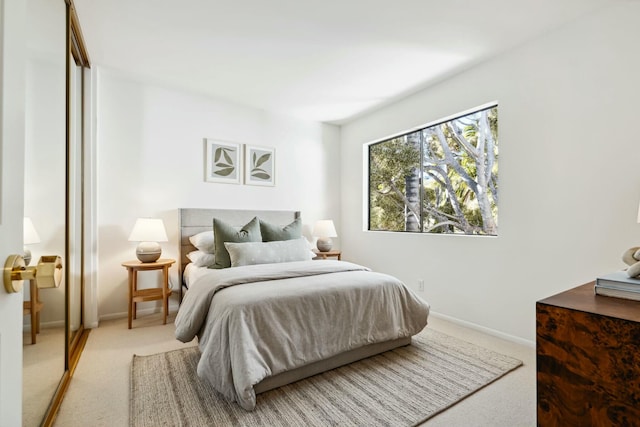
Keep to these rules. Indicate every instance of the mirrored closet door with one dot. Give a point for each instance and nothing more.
(56, 70)
(44, 202)
(78, 93)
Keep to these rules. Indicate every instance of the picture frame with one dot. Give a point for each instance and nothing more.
(260, 165)
(223, 162)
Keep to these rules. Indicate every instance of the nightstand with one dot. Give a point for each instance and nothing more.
(328, 254)
(152, 294)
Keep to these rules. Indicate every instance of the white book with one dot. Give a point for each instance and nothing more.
(599, 290)
(619, 280)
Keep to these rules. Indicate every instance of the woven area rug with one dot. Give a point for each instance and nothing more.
(402, 387)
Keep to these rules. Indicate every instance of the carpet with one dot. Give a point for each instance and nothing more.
(402, 387)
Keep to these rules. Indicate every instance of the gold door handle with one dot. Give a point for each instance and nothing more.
(48, 272)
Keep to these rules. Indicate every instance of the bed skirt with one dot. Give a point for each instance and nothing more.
(336, 361)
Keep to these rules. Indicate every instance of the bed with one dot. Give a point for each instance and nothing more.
(261, 326)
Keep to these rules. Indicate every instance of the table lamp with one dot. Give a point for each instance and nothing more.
(324, 230)
(30, 237)
(148, 231)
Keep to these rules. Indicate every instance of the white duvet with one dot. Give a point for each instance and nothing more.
(256, 321)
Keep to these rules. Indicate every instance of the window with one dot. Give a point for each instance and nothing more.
(442, 178)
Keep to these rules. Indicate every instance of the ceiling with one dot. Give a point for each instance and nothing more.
(328, 60)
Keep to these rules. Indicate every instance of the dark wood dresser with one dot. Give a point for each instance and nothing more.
(588, 359)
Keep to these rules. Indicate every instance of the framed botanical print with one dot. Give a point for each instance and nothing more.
(260, 165)
(223, 162)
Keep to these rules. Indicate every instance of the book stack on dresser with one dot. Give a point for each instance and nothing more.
(618, 284)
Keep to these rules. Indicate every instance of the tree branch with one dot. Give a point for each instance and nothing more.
(458, 136)
(446, 182)
(451, 161)
(404, 199)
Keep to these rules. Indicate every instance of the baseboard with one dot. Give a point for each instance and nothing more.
(26, 328)
(484, 329)
(140, 312)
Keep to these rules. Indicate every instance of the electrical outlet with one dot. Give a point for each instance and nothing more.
(421, 285)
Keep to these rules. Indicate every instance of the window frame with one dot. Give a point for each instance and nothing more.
(367, 164)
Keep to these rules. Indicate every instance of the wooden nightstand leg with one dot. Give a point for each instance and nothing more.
(37, 292)
(33, 324)
(34, 296)
(165, 288)
(131, 276)
(135, 291)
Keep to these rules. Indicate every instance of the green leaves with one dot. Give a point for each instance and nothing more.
(222, 159)
(225, 171)
(261, 159)
(256, 162)
(261, 175)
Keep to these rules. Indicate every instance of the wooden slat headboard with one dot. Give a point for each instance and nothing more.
(193, 221)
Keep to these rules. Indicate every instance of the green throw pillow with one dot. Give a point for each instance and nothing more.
(224, 232)
(272, 233)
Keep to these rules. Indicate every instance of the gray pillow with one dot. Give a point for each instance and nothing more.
(224, 232)
(272, 233)
(268, 252)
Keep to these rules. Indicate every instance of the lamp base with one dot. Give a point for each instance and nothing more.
(148, 251)
(324, 244)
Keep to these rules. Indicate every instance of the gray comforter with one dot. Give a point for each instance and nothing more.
(256, 321)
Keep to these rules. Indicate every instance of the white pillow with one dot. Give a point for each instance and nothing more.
(250, 253)
(201, 259)
(203, 241)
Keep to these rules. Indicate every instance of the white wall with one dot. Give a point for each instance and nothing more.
(150, 163)
(569, 180)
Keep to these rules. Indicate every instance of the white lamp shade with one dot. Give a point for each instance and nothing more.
(324, 228)
(638, 214)
(148, 230)
(30, 235)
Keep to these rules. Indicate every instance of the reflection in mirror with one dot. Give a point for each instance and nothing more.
(44, 200)
(78, 96)
(76, 202)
